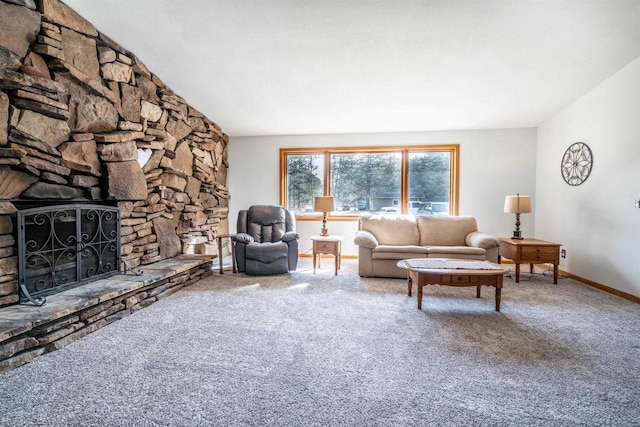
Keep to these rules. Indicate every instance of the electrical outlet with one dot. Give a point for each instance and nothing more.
(563, 253)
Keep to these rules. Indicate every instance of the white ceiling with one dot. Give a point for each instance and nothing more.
(274, 67)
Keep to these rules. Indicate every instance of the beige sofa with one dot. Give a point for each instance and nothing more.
(383, 240)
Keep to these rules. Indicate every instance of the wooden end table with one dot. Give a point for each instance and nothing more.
(477, 274)
(532, 251)
(331, 245)
(219, 238)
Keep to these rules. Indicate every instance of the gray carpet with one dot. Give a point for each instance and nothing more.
(321, 350)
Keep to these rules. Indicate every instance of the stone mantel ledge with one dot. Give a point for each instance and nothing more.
(18, 319)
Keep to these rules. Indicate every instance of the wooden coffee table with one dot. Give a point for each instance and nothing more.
(453, 272)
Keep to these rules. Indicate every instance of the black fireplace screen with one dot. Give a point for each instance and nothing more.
(60, 247)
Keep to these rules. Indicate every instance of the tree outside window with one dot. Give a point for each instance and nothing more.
(429, 182)
(366, 181)
(304, 181)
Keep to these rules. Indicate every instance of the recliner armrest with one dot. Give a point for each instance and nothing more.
(242, 238)
(366, 239)
(481, 240)
(290, 236)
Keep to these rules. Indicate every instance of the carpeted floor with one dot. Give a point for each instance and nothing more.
(321, 350)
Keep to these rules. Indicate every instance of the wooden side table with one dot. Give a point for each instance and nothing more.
(331, 245)
(219, 238)
(532, 251)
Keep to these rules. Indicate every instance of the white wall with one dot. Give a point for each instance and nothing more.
(493, 164)
(596, 222)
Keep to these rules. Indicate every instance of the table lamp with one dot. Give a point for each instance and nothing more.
(517, 204)
(324, 205)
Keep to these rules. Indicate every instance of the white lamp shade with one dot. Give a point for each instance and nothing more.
(517, 204)
(323, 204)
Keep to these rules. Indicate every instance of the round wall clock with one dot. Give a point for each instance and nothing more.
(576, 163)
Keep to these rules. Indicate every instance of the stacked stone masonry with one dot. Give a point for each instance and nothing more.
(26, 332)
(83, 119)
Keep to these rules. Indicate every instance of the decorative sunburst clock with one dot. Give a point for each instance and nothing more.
(576, 163)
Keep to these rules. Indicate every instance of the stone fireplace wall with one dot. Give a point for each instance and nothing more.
(83, 119)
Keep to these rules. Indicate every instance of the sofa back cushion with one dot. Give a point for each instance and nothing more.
(391, 229)
(445, 230)
(265, 223)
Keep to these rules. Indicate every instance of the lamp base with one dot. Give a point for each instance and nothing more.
(324, 231)
(517, 234)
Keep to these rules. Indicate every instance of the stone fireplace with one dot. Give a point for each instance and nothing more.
(84, 122)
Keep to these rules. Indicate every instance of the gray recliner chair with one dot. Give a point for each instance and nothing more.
(267, 242)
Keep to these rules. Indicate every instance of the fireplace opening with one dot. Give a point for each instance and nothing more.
(64, 246)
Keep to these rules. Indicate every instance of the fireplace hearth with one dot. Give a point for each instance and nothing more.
(60, 247)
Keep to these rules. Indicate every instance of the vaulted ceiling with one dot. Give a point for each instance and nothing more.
(270, 67)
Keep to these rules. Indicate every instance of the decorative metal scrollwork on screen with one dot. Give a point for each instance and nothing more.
(60, 247)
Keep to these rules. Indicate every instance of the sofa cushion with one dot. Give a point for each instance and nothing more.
(267, 252)
(266, 223)
(406, 249)
(259, 268)
(452, 251)
(445, 230)
(392, 229)
(399, 252)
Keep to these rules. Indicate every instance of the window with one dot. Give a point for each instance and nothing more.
(366, 182)
(421, 180)
(305, 180)
(429, 182)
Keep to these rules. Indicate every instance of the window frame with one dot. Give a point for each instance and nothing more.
(454, 172)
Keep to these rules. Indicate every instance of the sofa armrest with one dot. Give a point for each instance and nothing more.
(366, 239)
(290, 236)
(242, 238)
(481, 240)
